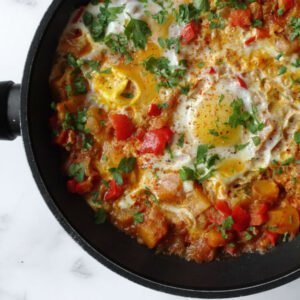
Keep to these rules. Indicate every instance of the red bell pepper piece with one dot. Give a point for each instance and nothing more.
(155, 141)
(272, 237)
(241, 218)
(262, 33)
(223, 207)
(189, 33)
(154, 110)
(259, 215)
(286, 4)
(79, 188)
(123, 126)
(240, 17)
(250, 41)
(114, 191)
(212, 71)
(78, 14)
(242, 83)
(62, 138)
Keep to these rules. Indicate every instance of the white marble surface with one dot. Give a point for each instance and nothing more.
(38, 260)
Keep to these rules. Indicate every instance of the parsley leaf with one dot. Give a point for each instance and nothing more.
(297, 137)
(118, 43)
(187, 174)
(138, 32)
(170, 43)
(125, 166)
(100, 216)
(240, 147)
(77, 171)
(138, 218)
(186, 13)
(295, 24)
(242, 117)
(202, 5)
(169, 76)
(202, 153)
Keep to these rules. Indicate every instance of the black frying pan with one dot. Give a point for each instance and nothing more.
(30, 107)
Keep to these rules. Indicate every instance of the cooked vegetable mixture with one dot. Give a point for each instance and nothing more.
(180, 121)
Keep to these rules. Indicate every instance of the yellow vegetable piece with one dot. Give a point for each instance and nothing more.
(265, 190)
(283, 220)
(231, 167)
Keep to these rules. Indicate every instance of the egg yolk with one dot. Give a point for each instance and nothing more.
(230, 167)
(210, 123)
(128, 84)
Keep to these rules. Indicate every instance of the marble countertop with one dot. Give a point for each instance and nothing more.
(38, 260)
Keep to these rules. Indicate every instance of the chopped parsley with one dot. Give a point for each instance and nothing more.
(282, 70)
(256, 140)
(296, 64)
(215, 21)
(297, 137)
(186, 13)
(180, 142)
(225, 226)
(213, 132)
(97, 24)
(257, 23)
(77, 172)
(202, 151)
(202, 5)
(295, 25)
(151, 195)
(170, 43)
(240, 147)
(138, 32)
(241, 117)
(278, 56)
(100, 216)
(138, 218)
(161, 16)
(125, 166)
(118, 43)
(169, 76)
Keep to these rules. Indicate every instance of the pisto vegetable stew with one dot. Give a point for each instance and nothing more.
(180, 121)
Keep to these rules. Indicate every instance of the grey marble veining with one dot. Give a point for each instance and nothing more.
(38, 260)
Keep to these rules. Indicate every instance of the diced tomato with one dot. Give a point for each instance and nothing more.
(155, 141)
(272, 237)
(259, 215)
(250, 41)
(123, 126)
(62, 138)
(241, 218)
(83, 187)
(231, 249)
(223, 207)
(79, 188)
(78, 14)
(71, 185)
(212, 71)
(189, 33)
(242, 83)
(114, 191)
(262, 33)
(286, 4)
(154, 110)
(240, 17)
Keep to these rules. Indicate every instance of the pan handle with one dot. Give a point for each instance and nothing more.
(10, 101)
